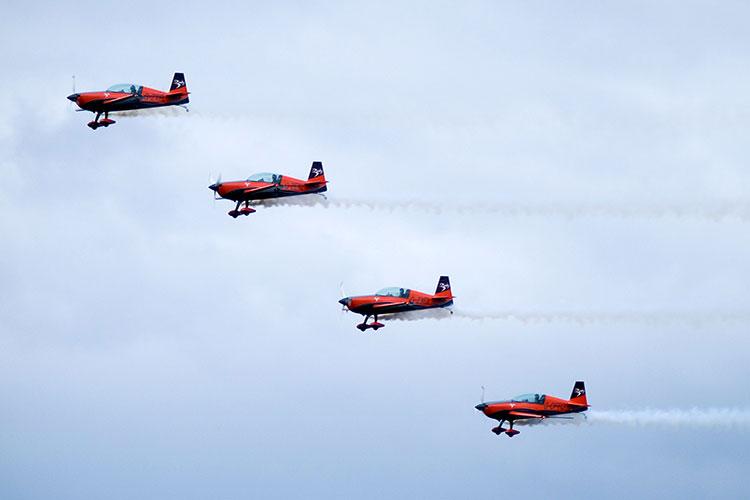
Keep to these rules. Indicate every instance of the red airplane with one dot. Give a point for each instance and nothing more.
(126, 96)
(395, 300)
(537, 406)
(264, 186)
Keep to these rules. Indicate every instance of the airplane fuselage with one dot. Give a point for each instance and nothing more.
(509, 410)
(144, 97)
(251, 190)
(377, 304)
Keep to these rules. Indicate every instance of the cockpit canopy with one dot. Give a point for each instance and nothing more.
(128, 88)
(529, 398)
(264, 177)
(393, 291)
(523, 398)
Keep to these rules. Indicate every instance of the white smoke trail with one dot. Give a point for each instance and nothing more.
(709, 211)
(737, 418)
(695, 417)
(650, 318)
(441, 313)
(572, 419)
(306, 200)
(653, 318)
(168, 111)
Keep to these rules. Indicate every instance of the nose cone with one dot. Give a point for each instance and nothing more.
(481, 406)
(73, 97)
(214, 187)
(345, 301)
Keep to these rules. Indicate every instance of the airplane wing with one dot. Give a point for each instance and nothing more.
(258, 189)
(524, 414)
(114, 100)
(381, 305)
(118, 99)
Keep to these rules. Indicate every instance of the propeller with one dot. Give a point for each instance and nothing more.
(343, 296)
(214, 185)
(74, 89)
(482, 394)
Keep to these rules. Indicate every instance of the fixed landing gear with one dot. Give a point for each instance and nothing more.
(374, 325)
(106, 122)
(508, 432)
(246, 210)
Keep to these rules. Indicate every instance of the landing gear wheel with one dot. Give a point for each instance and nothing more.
(246, 210)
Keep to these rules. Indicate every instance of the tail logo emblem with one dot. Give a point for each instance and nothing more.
(444, 286)
(178, 83)
(317, 171)
(579, 392)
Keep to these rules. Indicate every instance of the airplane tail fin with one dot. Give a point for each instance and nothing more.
(578, 396)
(316, 171)
(317, 176)
(179, 87)
(443, 287)
(178, 82)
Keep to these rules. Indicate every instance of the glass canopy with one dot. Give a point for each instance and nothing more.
(529, 398)
(128, 88)
(265, 177)
(393, 291)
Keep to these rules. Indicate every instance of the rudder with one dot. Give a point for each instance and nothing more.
(578, 396)
(316, 170)
(178, 83)
(443, 286)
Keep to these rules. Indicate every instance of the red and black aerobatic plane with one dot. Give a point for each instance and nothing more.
(127, 96)
(394, 300)
(533, 406)
(265, 186)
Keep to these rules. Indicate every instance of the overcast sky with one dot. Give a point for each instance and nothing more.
(153, 347)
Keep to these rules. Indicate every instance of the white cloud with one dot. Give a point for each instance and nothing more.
(155, 345)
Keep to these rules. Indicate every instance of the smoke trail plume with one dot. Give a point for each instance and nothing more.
(695, 417)
(582, 318)
(737, 418)
(572, 419)
(708, 211)
(418, 315)
(654, 318)
(168, 111)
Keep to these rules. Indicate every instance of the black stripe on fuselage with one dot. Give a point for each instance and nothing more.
(504, 414)
(130, 105)
(277, 192)
(398, 308)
